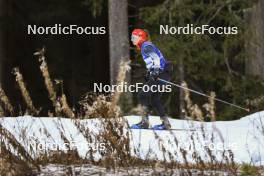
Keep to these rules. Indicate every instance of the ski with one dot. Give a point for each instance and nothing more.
(172, 129)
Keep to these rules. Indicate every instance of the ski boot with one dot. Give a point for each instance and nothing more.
(144, 124)
(165, 125)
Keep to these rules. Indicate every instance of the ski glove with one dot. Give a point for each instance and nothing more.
(154, 73)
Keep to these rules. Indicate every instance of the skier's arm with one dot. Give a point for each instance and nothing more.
(149, 50)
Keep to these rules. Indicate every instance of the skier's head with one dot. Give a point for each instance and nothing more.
(138, 36)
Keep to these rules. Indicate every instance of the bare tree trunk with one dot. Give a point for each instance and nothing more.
(255, 44)
(2, 38)
(118, 35)
(119, 45)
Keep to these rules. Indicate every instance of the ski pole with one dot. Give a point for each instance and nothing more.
(194, 91)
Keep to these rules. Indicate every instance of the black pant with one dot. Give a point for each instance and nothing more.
(152, 99)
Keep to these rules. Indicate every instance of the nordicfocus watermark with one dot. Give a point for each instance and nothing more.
(200, 30)
(48, 145)
(59, 29)
(216, 146)
(125, 87)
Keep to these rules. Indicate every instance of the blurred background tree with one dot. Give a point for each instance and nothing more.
(255, 44)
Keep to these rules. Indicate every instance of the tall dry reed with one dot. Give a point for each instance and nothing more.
(105, 106)
(60, 104)
(193, 110)
(24, 91)
(48, 82)
(210, 107)
(5, 100)
(65, 107)
(123, 69)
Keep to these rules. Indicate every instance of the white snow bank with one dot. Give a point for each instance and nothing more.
(244, 137)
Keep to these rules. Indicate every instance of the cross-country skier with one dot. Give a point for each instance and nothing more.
(156, 68)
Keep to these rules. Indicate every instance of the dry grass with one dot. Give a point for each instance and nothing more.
(105, 106)
(255, 102)
(117, 142)
(5, 100)
(193, 110)
(14, 163)
(25, 92)
(210, 107)
(48, 83)
(60, 104)
(100, 106)
(2, 112)
(123, 69)
(65, 107)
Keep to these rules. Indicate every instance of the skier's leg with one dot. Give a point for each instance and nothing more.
(156, 103)
(144, 100)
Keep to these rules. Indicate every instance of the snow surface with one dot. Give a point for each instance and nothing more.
(244, 137)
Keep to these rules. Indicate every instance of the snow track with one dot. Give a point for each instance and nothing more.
(244, 137)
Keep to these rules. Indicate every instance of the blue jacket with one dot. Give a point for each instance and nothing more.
(152, 56)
